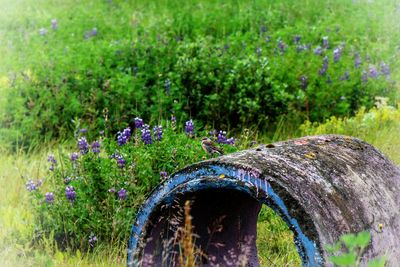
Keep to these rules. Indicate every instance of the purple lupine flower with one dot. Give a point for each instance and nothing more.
(189, 128)
(221, 138)
(111, 190)
(54, 24)
(96, 147)
(296, 39)
(83, 145)
(138, 123)
(300, 48)
(318, 51)
(304, 81)
(158, 132)
(83, 131)
(42, 31)
(337, 53)
(281, 46)
(213, 133)
(373, 72)
(385, 70)
(325, 42)
(92, 240)
(124, 137)
(31, 186)
(122, 194)
(357, 60)
(70, 193)
(364, 76)
(146, 135)
(120, 161)
(49, 197)
(91, 33)
(230, 141)
(345, 76)
(74, 156)
(163, 175)
(67, 180)
(173, 121)
(325, 65)
(52, 159)
(167, 85)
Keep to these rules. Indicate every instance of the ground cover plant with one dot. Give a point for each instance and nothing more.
(74, 76)
(234, 64)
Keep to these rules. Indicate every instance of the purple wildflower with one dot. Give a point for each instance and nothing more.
(49, 197)
(163, 175)
(189, 128)
(120, 161)
(74, 156)
(296, 39)
(51, 159)
(373, 72)
(221, 138)
(122, 194)
(111, 190)
(318, 51)
(213, 133)
(83, 131)
(146, 135)
(96, 147)
(138, 123)
(230, 141)
(42, 31)
(385, 70)
(91, 33)
(281, 46)
(124, 137)
(158, 132)
(54, 24)
(70, 193)
(263, 29)
(300, 48)
(337, 53)
(364, 76)
(325, 42)
(83, 145)
(31, 186)
(357, 60)
(92, 240)
(325, 65)
(173, 121)
(304, 81)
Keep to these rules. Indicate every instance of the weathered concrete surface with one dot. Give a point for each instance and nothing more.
(322, 186)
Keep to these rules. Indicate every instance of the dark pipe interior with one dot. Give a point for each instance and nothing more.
(224, 222)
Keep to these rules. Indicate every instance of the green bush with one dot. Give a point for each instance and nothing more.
(230, 64)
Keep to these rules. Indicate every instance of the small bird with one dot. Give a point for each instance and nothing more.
(210, 147)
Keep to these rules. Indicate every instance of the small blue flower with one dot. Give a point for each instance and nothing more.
(318, 51)
(189, 128)
(138, 123)
(163, 175)
(49, 197)
(122, 194)
(373, 72)
(146, 135)
(221, 138)
(337, 53)
(70, 193)
(296, 39)
(42, 31)
(31, 186)
(357, 60)
(158, 133)
(74, 156)
(83, 145)
(92, 240)
(325, 42)
(54, 24)
(96, 147)
(120, 161)
(385, 70)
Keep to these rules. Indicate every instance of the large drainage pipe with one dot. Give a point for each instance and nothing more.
(322, 187)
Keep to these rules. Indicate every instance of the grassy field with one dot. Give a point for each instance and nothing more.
(118, 56)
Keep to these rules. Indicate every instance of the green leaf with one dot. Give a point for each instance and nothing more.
(377, 262)
(333, 248)
(344, 259)
(362, 239)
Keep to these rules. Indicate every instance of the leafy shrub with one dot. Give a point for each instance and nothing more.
(92, 194)
(354, 246)
(237, 67)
